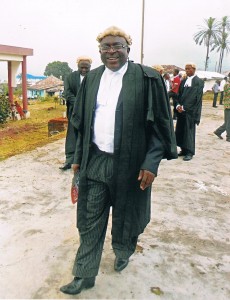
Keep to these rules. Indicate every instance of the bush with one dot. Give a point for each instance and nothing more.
(4, 109)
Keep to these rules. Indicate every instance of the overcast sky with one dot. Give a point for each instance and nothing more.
(62, 30)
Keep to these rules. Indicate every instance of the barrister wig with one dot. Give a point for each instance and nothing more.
(84, 58)
(159, 68)
(115, 31)
(191, 64)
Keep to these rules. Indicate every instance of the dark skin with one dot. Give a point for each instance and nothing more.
(115, 60)
(84, 67)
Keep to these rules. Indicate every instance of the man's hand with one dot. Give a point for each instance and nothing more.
(75, 168)
(146, 178)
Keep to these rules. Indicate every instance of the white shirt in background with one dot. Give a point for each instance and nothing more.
(222, 84)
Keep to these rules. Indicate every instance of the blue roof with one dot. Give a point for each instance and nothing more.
(29, 76)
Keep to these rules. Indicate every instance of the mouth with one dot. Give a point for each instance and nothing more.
(112, 58)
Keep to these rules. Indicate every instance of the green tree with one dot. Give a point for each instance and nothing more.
(58, 69)
(223, 44)
(223, 47)
(4, 108)
(208, 35)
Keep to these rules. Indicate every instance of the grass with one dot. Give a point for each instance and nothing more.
(28, 134)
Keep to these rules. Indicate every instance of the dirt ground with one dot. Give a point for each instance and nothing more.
(184, 251)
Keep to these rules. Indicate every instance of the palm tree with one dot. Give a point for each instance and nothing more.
(208, 35)
(223, 45)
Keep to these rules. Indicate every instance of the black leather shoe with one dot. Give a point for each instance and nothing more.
(187, 157)
(120, 264)
(217, 134)
(77, 285)
(65, 167)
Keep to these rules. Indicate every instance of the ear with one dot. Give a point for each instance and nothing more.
(128, 49)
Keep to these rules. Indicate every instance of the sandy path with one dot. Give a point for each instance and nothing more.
(185, 250)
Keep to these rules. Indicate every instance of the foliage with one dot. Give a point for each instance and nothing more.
(4, 88)
(58, 69)
(4, 108)
(222, 44)
(208, 35)
(18, 90)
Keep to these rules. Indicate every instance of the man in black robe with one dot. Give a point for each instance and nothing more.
(71, 88)
(189, 106)
(125, 128)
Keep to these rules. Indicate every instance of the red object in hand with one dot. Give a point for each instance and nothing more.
(74, 187)
(74, 194)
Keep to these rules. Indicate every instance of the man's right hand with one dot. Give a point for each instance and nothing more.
(75, 168)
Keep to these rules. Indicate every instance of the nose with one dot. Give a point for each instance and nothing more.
(111, 49)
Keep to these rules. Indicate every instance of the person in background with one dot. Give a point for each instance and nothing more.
(71, 88)
(189, 104)
(226, 125)
(19, 110)
(167, 81)
(222, 84)
(215, 89)
(124, 124)
(158, 68)
(173, 93)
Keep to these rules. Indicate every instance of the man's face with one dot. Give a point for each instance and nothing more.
(84, 67)
(190, 71)
(114, 59)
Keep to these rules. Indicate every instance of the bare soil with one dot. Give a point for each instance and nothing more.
(183, 254)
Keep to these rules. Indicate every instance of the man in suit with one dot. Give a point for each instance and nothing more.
(188, 106)
(71, 87)
(124, 124)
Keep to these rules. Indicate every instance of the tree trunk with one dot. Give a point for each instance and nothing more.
(206, 60)
(222, 57)
(219, 63)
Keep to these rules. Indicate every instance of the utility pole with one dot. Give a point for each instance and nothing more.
(142, 30)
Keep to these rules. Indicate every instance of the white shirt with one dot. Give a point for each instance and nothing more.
(81, 78)
(167, 84)
(107, 98)
(222, 84)
(188, 82)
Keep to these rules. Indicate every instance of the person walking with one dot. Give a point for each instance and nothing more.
(124, 124)
(71, 88)
(226, 125)
(189, 106)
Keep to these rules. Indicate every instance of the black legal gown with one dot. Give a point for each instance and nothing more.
(142, 111)
(191, 99)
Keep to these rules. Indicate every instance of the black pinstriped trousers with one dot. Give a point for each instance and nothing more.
(100, 190)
